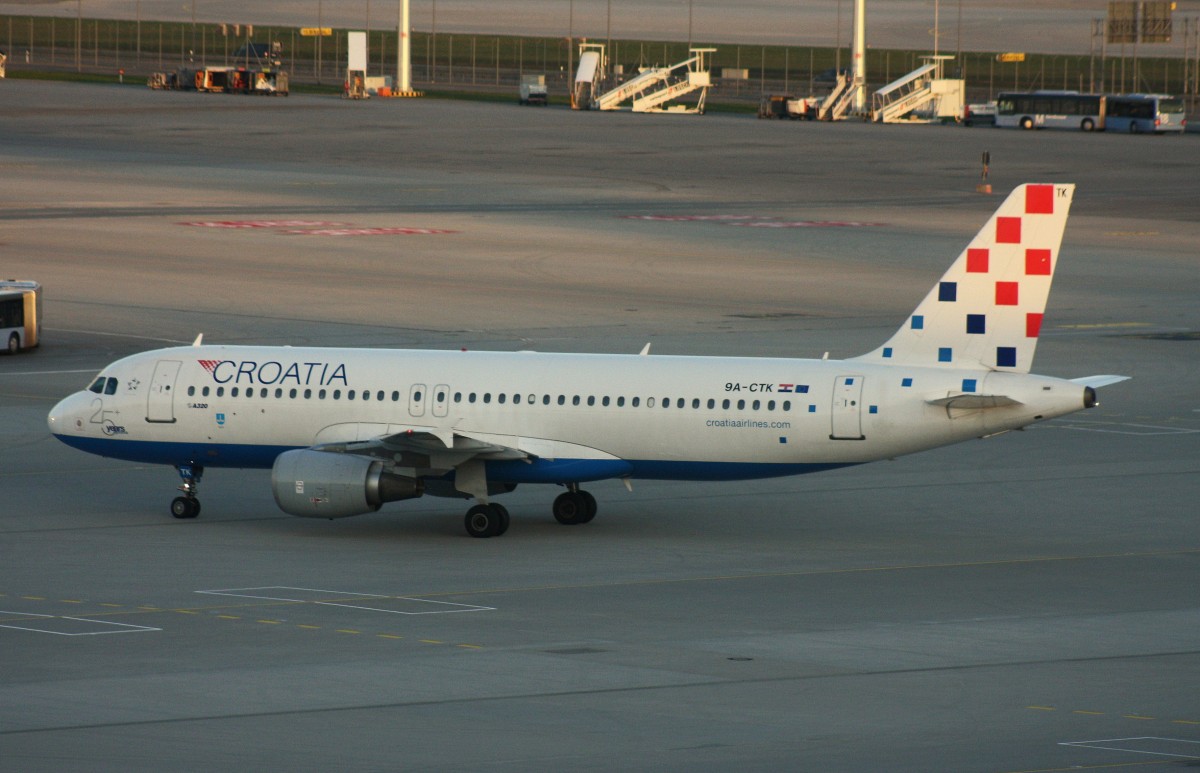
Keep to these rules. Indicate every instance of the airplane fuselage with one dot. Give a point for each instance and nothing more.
(580, 416)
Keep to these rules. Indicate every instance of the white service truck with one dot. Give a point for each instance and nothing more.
(533, 90)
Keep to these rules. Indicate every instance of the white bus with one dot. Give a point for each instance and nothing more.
(1051, 110)
(20, 314)
(1148, 113)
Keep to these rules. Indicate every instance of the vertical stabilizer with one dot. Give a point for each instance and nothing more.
(986, 312)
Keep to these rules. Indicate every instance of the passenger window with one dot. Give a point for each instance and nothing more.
(396, 397)
(307, 394)
(621, 401)
(416, 396)
(366, 394)
(712, 403)
(532, 399)
(379, 396)
(754, 405)
(233, 392)
(204, 391)
(725, 404)
(679, 403)
(278, 392)
(337, 394)
(292, 394)
(487, 397)
(471, 398)
(191, 391)
(321, 395)
(545, 399)
(350, 395)
(604, 402)
(500, 398)
(696, 402)
(787, 405)
(741, 405)
(562, 399)
(770, 405)
(220, 391)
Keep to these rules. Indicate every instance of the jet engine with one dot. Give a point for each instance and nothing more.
(320, 484)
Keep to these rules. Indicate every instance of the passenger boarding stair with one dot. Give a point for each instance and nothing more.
(904, 95)
(650, 89)
(922, 95)
(835, 106)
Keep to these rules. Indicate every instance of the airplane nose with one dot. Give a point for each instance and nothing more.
(57, 418)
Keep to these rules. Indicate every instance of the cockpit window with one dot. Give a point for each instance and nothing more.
(97, 386)
(111, 387)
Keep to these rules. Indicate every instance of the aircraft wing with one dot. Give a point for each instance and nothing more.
(434, 451)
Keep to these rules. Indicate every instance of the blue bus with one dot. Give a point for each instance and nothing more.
(1145, 113)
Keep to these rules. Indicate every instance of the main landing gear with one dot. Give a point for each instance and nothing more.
(490, 520)
(187, 506)
(572, 507)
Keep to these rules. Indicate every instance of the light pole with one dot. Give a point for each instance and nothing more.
(404, 52)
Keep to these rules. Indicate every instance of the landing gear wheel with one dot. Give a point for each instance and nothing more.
(574, 507)
(502, 511)
(185, 507)
(486, 520)
(589, 502)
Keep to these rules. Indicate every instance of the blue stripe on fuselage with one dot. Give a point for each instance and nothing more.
(536, 471)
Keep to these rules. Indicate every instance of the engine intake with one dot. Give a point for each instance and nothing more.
(320, 484)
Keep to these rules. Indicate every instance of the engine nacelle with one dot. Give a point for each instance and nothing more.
(320, 484)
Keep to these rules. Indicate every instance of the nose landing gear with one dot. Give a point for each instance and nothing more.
(187, 506)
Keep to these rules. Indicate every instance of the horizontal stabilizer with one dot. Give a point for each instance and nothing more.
(1095, 382)
(975, 401)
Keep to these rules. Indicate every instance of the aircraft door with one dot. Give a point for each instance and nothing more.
(847, 408)
(416, 400)
(441, 400)
(160, 401)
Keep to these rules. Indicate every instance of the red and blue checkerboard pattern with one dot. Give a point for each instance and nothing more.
(987, 310)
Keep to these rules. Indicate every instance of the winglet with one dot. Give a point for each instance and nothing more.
(199, 338)
(986, 312)
(645, 349)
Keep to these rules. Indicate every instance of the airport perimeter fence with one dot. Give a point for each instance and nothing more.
(497, 63)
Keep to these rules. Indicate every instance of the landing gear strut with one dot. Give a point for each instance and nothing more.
(490, 520)
(574, 506)
(187, 506)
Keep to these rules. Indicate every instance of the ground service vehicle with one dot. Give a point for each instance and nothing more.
(20, 314)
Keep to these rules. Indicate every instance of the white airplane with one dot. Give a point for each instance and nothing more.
(346, 430)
